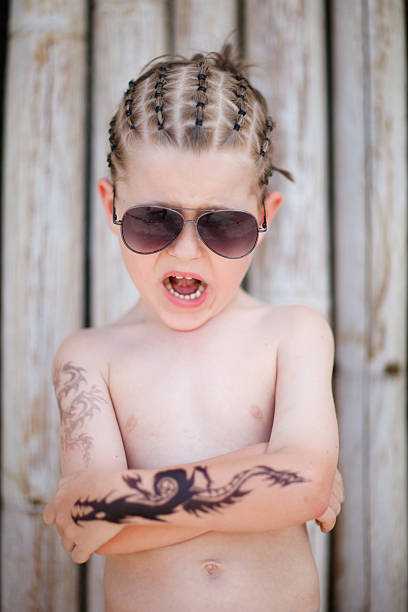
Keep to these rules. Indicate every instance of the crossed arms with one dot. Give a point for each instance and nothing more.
(271, 485)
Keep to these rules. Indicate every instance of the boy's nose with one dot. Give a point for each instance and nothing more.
(188, 244)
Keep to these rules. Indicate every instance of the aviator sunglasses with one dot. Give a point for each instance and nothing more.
(150, 228)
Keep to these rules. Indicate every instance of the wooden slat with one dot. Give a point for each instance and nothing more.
(127, 34)
(123, 44)
(371, 287)
(203, 26)
(286, 40)
(42, 286)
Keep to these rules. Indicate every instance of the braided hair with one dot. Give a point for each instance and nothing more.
(205, 103)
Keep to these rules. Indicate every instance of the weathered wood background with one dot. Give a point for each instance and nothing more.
(334, 74)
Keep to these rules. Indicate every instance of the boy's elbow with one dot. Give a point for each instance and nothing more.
(106, 549)
(321, 490)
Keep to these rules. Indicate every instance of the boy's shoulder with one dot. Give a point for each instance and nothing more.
(291, 318)
(95, 345)
(86, 347)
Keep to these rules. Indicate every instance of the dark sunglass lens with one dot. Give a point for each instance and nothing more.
(148, 229)
(229, 233)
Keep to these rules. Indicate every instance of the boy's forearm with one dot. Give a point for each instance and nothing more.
(255, 493)
(136, 538)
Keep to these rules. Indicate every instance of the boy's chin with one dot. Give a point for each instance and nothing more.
(184, 323)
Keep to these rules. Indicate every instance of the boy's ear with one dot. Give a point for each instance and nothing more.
(272, 202)
(105, 189)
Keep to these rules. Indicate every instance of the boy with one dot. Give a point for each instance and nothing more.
(198, 432)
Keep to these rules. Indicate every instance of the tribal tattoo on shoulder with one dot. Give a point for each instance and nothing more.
(77, 403)
(172, 491)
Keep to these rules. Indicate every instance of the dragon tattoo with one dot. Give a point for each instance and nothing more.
(173, 490)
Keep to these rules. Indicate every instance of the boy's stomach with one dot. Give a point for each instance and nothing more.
(217, 572)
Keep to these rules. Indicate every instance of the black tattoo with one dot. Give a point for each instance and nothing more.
(68, 379)
(172, 490)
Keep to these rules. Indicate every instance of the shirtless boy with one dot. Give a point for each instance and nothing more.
(198, 432)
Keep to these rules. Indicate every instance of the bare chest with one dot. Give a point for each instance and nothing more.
(187, 403)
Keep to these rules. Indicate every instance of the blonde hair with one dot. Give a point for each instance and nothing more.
(205, 103)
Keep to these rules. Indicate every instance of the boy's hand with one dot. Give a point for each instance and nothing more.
(80, 541)
(327, 520)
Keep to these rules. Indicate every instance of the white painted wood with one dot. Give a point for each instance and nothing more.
(351, 309)
(203, 26)
(127, 34)
(370, 152)
(286, 41)
(123, 44)
(42, 286)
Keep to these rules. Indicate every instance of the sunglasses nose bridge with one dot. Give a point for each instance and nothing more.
(197, 231)
(185, 243)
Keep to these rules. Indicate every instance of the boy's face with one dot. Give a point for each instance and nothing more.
(184, 179)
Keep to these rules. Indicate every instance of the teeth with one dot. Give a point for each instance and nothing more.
(181, 296)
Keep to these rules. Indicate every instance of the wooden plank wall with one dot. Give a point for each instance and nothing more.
(334, 74)
(370, 273)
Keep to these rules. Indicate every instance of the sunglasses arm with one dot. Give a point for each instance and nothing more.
(264, 226)
(114, 217)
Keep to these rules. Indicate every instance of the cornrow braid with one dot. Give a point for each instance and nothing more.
(159, 93)
(128, 104)
(177, 107)
(242, 85)
(269, 127)
(285, 173)
(112, 141)
(201, 93)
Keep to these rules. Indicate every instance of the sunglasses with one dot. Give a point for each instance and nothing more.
(150, 228)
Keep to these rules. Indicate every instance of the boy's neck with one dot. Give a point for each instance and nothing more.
(141, 312)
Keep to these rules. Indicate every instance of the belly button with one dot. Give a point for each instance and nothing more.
(211, 567)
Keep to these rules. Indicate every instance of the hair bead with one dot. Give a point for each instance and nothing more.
(128, 103)
(240, 102)
(111, 140)
(160, 94)
(201, 98)
(269, 125)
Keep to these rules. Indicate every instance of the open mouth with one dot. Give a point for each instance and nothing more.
(185, 287)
